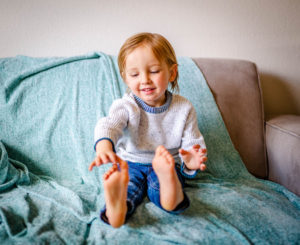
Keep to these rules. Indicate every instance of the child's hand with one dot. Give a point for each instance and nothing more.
(104, 154)
(195, 158)
(102, 158)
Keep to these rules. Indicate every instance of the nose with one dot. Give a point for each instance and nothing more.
(145, 78)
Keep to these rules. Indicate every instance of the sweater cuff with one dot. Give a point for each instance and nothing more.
(113, 145)
(187, 173)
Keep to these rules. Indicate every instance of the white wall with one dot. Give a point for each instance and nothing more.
(264, 31)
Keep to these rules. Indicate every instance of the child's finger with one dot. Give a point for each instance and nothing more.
(183, 152)
(113, 158)
(199, 149)
(98, 161)
(93, 164)
(203, 150)
(204, 159)
(105, 158)
(202, 166)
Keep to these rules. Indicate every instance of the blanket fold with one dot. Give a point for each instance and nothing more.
(48, 110)
(11, 173)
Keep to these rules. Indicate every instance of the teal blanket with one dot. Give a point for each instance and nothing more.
(48, 110)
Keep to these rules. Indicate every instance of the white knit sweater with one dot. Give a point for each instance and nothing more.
(136, 129)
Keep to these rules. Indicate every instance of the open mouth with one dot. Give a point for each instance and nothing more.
(147, 90)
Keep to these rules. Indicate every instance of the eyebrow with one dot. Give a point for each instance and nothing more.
(135, 68)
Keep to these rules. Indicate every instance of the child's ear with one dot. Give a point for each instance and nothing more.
(123, 76)
(173, 72)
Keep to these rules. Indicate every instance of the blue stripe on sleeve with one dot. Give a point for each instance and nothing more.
(113, 145)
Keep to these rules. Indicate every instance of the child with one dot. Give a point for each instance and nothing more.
(152, 129)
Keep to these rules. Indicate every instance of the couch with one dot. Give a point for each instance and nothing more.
(48, 110)
(269, 147)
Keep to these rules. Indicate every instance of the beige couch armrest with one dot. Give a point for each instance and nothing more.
(236, 88)
(283, 149)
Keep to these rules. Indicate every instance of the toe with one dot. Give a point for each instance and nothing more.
(160, 149)
(165, 153)
(123, 164)
(105, 176)
(170, 159)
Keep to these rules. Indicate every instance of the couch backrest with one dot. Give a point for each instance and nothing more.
(236, 87)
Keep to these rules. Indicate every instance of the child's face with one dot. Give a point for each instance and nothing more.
(147, 77)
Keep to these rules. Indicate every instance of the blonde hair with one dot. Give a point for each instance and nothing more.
(160, 46)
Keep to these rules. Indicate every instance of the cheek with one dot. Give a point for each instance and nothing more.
(133, 85)
(163, 80)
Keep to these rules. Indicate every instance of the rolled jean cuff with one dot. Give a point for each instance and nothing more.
(130, 210)
(181, 206)
(103, 216)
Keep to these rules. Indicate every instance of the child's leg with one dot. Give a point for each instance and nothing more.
(115, 187)
(171, 193)
(136, 188)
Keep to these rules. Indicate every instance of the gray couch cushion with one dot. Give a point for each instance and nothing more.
(283, 147)
(236, 88)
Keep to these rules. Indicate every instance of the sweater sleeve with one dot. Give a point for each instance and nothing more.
(111, 127)
(191, 136)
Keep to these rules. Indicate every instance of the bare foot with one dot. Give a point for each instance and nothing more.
(115, 187)
(171, 193)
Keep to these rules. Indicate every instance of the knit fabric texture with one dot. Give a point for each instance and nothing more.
(138, 129)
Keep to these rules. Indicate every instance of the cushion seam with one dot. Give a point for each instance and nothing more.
(283, 130)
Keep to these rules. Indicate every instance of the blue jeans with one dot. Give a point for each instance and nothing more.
(143, 181)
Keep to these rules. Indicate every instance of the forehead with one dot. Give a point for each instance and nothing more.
(143, 54)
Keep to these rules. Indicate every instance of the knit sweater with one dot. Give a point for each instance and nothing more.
(136, 129)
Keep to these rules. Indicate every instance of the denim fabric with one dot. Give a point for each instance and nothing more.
(143, 181)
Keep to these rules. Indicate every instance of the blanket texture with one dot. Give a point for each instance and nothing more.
(48, 110)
